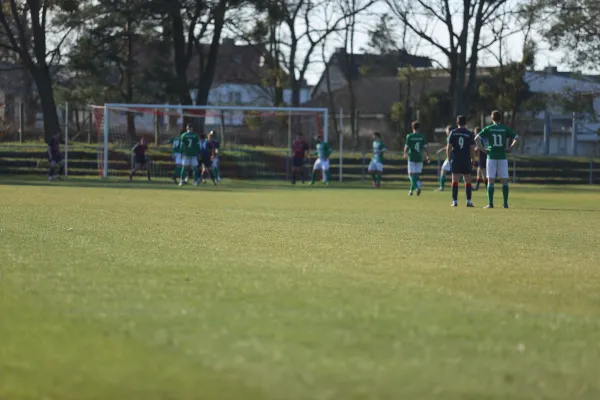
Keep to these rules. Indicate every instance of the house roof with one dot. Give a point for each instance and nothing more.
(246, 64)
(374, 65)
(376, 95)
(377, 64)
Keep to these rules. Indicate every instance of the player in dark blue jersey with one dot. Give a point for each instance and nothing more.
(206, 153)
(461, 153)
(54, 157)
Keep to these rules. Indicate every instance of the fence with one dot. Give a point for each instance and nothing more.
(247, 162)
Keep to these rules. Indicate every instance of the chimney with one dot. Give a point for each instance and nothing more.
(340, 50)
(228, 42)
(550, 70)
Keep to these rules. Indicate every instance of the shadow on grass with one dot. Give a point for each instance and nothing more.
(165, 184)
(559, 209)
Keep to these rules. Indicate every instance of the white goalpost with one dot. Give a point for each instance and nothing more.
(270, 128)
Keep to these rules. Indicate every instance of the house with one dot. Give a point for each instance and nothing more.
(343, 67)
(242, 77)
(556, 85)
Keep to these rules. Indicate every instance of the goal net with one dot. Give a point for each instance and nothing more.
(255, 142)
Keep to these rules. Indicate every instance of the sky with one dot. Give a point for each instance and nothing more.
(512, 46)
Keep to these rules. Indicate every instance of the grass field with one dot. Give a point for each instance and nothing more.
(263, 291)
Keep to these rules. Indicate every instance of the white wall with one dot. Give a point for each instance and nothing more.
(540, 82)
(245, 94)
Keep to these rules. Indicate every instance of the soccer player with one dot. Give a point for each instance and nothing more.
(189, 145)
(499, 137)
(481, 162)
(461, 153)
(140, 160)
(299, 150)
(445, 169)
(215, 146)
(176, 155)
(323, 152)
(376, 164)
(54, 156)
(206, 155)
(416, 145)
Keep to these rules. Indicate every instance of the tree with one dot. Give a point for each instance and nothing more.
(303, 26)
(118, 57)
(465, 39)
(24, 30)
(190, 22)
(573, 25)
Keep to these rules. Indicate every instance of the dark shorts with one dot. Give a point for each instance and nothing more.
(461, 166)
(141, 160)
(297, 162)
(482, 160)
(55, 157)
(206, 163)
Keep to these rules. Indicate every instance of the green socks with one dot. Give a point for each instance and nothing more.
(374, 176)
(196, 175)
(442, 180)
(505, 192)
(327, 176)
(217, 173)
(490, 194)
(413, 182)
(177, 172)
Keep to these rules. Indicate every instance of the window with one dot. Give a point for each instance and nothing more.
(235, 98)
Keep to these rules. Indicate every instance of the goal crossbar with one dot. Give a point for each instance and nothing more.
(109, 106)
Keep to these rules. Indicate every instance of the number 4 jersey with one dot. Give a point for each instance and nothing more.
(415, 143)
(497, 136)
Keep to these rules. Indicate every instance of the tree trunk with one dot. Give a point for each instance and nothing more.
(180, 56)
(208, 72)
(46, 92)
(332, 109)
(129, 82)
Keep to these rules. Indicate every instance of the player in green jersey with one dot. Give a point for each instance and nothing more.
(500, 139)
(189, 145)
(376, 164)
(416, 145)
(176, 155)
(323, 152)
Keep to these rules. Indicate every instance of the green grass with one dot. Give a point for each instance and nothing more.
(264, 291)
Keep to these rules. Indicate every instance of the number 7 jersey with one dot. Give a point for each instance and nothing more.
(190, 144)
(497, 136)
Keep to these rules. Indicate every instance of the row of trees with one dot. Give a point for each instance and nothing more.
(98, 49)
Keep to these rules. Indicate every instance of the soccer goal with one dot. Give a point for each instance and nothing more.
(255, 141)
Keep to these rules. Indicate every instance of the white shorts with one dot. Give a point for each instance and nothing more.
(215, 162)
(375, 166)
(177, 158)
(497, 169)
(321, 164)
(446, 166)
(189, 161)
(415, 167)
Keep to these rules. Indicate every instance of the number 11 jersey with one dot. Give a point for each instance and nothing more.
(497, 136)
